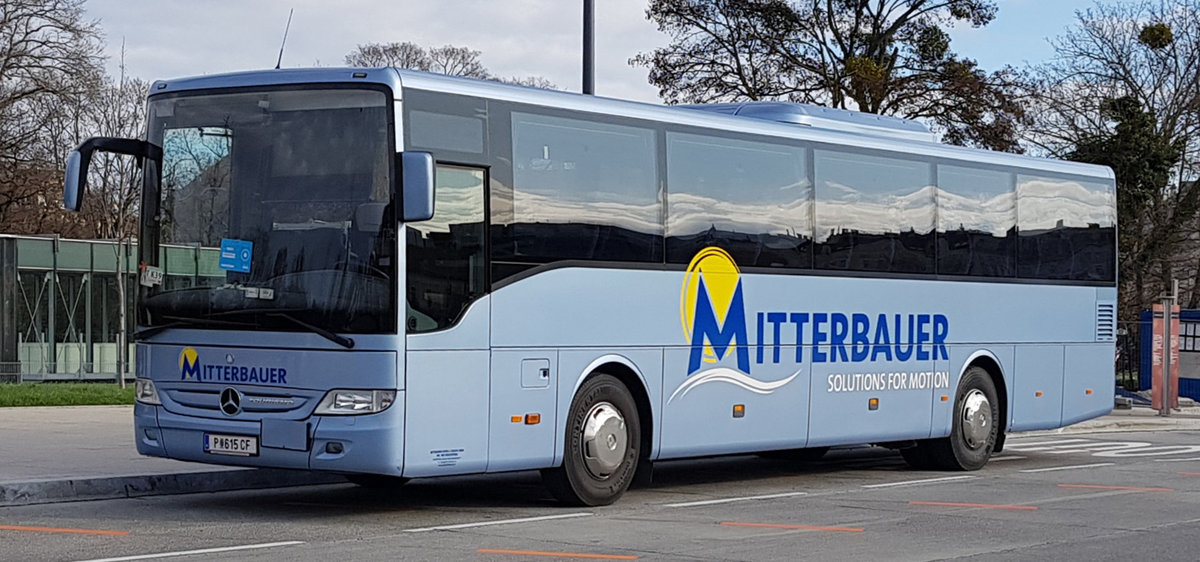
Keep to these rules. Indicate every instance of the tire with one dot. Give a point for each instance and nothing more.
(603, 443)
(796, 455)
(975, 428)
(376, 481)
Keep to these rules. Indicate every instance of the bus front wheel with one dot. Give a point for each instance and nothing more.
(975, 427)
(603, 441)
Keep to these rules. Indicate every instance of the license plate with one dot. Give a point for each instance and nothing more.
(239, 445)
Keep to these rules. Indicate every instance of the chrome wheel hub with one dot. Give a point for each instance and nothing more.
(604, 440)
(976, 421)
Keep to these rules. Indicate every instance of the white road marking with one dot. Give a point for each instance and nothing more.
(201, 551)
(1178, 460)
(1152, 451)
(498, 522)
(1006, 458)
(744, 498)
(913, 482)
(1041, 445)
(1098, 447)
(1055, 468)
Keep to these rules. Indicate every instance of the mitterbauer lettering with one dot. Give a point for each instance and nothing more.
(835, 337)
(191, 368)
(235, 373)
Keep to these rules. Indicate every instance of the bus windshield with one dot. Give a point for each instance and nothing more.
(291, 191)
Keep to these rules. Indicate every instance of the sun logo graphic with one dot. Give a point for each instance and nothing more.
(189, 364)
(713, 312)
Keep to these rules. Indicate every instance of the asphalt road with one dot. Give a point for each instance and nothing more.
(1103, 496)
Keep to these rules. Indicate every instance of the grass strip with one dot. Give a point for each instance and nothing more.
(64, 394)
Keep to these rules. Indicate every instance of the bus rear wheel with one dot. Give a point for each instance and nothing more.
(603, 441)
(975, 428)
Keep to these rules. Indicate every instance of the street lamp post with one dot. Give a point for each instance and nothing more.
(589, 48)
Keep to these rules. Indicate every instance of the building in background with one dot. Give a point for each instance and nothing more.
(59, 304)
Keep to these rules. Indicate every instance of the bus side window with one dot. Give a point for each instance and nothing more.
(977, 222)
(751, 199)
(874, 213)
(585, 190)
(445, 253)
(1066, 229)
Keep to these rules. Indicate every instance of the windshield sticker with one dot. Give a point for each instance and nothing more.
(150, 276)
(235, 255)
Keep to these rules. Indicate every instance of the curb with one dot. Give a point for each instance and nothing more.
(112, 487)
(1116, 424)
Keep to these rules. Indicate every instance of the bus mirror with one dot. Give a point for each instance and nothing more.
(75, 180)
(416, 185)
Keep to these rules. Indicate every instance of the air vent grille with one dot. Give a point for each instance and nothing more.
(1106, 322)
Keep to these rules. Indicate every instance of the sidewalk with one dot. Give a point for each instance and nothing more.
(87, 452)
(63, 454)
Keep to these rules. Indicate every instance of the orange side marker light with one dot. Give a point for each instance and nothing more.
(533, 419)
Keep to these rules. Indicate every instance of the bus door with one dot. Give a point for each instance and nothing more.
(447, 320)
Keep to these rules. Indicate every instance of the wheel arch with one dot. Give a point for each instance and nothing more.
(990, 364)
(634, 380)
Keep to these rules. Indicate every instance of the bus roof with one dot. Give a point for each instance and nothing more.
(828, 126)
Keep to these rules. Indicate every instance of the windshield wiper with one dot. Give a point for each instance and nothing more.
(283, 313)
(179, 322)
(335, 338)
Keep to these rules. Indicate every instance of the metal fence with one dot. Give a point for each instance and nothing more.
(20, 372)
(1129, 355)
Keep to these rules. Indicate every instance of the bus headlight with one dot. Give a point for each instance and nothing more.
(354, 402)
(144, 392)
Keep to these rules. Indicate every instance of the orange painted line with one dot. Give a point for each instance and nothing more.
(1189, 473)
(1131, 488)
(800, 527)
(558, 554)
(985, 505)
(58, 530)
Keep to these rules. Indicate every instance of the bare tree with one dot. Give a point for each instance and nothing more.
(49, 58)
(115, 183)
(883, 56)
(457, 61)
(1124, 90)
(448, 59)
(402, 55)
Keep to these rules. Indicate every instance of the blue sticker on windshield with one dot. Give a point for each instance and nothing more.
(235, 255)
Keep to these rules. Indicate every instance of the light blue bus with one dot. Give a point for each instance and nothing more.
(422, 276)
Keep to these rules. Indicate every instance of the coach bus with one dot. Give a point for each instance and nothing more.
(420, 275)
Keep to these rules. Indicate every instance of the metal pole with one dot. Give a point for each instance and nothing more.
(589, 48)
(1168, 321)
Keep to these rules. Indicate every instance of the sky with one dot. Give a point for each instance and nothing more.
(175, 38)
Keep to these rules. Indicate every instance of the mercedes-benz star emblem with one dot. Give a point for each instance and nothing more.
(231, 401)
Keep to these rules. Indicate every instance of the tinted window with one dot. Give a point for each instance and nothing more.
(977, 220)
(582, 190)
(873, 213)
(447, 132)
(752, 199)
(1067, 229)
(445, 254)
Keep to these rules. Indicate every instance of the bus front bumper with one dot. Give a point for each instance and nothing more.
(370, 443)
